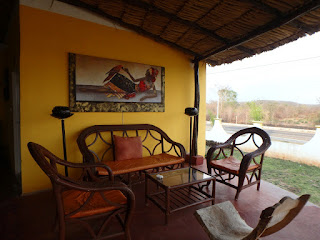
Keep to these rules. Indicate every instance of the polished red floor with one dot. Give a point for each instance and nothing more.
(32, 216)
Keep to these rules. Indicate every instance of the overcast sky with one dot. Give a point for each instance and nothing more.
(288, 73)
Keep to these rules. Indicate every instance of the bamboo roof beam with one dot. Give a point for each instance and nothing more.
(263, 7)
(177, 12)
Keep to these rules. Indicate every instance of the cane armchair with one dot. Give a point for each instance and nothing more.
(87, 197)
(240, 156)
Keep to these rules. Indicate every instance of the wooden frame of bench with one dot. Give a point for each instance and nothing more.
(156, 162)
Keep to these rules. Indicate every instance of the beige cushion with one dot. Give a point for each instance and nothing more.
(223, 222)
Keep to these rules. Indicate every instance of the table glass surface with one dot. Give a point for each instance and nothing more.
(181, 176)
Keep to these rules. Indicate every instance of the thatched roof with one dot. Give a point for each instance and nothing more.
(219, 31)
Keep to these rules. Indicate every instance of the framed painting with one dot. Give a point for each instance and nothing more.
(106, 85)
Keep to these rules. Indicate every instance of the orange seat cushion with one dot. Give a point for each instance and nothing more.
(231, 165)
(144, 163)
(74, 199)
(127, 147)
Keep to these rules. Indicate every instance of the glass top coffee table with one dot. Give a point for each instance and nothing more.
(178, 189)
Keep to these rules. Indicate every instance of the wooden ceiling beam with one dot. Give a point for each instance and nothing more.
(266, 8)
(174, 17)
(300, 25)
(170, 20)
(246, 50)
(212, 62)
(278, 22)
(146, 6)
(156, 38)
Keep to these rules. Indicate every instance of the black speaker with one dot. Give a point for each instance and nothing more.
(191, 111)
(61, 112)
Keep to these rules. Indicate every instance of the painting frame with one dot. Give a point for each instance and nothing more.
(126, 105)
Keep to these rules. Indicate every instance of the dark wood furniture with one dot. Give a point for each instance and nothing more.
(96, 144)
(228, 160)
(222, 221)
(179, 189)
(79, 201)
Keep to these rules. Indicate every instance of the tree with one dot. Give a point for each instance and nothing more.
(317, 120)
(271, 109)
(211, 117)
(255, 111)
(227, 97)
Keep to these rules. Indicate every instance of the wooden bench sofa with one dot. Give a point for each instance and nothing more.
(100, 143)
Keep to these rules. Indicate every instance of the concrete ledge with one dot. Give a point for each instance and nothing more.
(308, 153)
(275, 128)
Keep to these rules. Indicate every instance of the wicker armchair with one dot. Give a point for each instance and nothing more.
(228, 160)
(79, 201)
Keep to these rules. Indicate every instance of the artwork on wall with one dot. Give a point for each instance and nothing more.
(107, 85)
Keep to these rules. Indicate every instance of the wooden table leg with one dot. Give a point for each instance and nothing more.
(146, 190)
(167, 205)
(129, 181)
(213, 190)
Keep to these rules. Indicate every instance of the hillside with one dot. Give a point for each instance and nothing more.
(273, 113)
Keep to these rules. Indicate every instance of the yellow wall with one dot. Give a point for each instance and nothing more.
(46, 39)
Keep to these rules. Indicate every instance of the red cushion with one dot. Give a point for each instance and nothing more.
(127, 147)
(79, 200)
(231, 165)
(138, 164)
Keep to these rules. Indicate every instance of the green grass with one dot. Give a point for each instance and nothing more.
(294, 177)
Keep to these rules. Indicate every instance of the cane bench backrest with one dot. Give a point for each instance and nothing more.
(96, 143)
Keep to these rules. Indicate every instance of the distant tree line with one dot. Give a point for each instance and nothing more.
(272, 113)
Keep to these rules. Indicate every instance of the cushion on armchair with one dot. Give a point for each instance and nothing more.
(231, 164)
(127, 147)
(90, 203)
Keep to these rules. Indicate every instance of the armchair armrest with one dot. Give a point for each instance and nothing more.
(246, 160)
(220, 146)
(87, 167)
(92, 186)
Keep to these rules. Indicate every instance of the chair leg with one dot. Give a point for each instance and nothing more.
(209, 171)
(60, 213)
(237, 194)
(259, 179)
(55, 224)
(62, 230)
(127, 234)
(129, 181)
(240, 185)
(208, 167)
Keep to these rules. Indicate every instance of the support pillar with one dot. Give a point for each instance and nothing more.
(196, 105)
